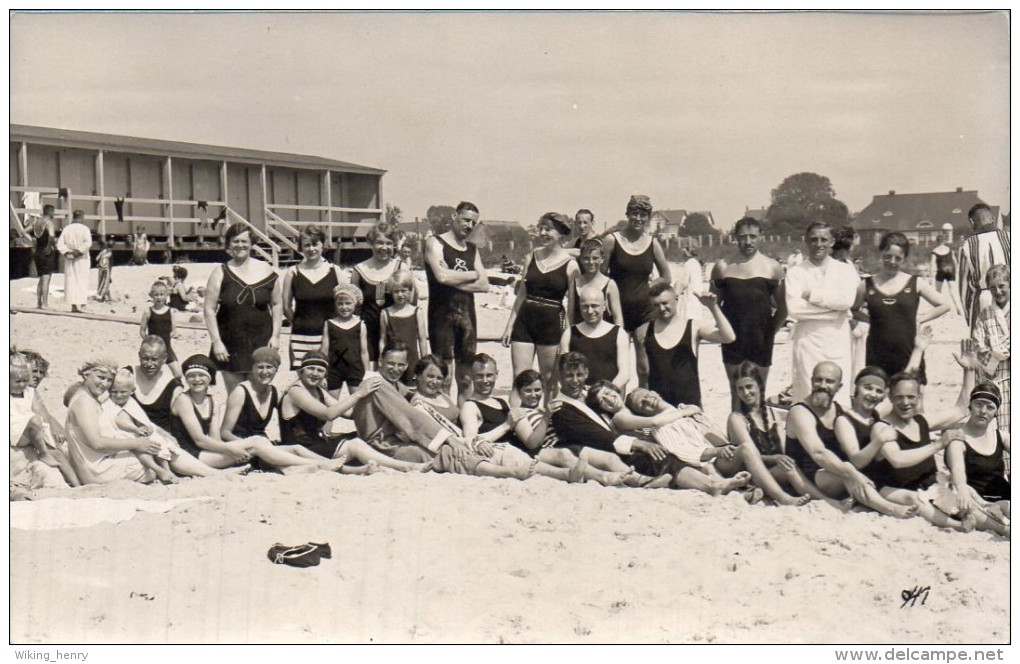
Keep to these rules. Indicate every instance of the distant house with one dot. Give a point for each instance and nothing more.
(755, 213)
(921, 217)
(667, 223)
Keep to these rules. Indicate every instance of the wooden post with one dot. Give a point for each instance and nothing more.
(223, 184)
(101, 182)
(170, 194)
(23, 164)
(328, 177)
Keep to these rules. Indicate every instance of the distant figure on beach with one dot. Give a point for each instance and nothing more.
(988, 246)
(104, 261)
(74, 244)
(630, 256)
(943, 271)
(44, 254)
(454, 270)
(140, 247)
(749, 288)
(820, 293)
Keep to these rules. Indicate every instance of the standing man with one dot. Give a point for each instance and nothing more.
(74, 244)
(454, 270)
(988, 246)
(749, 286)
(820, 292)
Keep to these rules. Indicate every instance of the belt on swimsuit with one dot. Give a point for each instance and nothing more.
(543, 300)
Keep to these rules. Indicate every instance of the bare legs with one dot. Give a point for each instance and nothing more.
(640, 354)
(42, 292)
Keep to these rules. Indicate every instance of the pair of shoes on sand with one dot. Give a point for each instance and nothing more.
(302, 555)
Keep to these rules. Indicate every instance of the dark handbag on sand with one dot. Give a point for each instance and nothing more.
(302, 555)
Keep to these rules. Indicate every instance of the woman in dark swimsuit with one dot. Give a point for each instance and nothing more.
(308, 294)
(630, 255)
(371, 277)
(243, 307)
(755, 430)
(44, 255)
(976, 459)
(536, 320)
(892, 298)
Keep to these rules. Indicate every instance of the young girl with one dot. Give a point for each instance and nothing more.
(104, 261)
(975, 456)
(126, 419)
(591, 276)
(306, 408)
(404, 322)
(534, 435)
(755, 430)
(179, 296)
(345, 342)
(158, 320)
(684, 442)
(192, 415)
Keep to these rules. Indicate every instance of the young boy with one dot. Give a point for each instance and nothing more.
(603, 344)
(158, 320)
(126, 419)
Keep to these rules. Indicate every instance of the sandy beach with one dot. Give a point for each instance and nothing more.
(440, 558)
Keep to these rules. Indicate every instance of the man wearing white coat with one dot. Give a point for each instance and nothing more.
(820, 293)
(74, 244)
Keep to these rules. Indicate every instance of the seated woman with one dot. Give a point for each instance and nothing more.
(307, 407)
(99, 458)
(534, 435)
(679, 438)
(755, 430)
(905, 469)
(975, 456)
(192, 414)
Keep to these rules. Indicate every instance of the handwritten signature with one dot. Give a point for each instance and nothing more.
(911, 596)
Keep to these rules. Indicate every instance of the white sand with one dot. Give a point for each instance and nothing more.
(430, 558)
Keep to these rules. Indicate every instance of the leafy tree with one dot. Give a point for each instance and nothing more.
(697, 224)
(393, 214)
(801, 200)
(440, 217)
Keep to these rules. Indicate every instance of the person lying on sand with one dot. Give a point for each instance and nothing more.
(672, 429)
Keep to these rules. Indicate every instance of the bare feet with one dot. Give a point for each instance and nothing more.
(237, 470)
(166, 477)
(646, 482)
(576, 474)
(903, 511)
(740, 480)
(611, 479)
(525, 473)
(794, 501)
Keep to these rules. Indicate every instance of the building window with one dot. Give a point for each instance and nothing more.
(957, 211)
(887, 214)
(924, 224)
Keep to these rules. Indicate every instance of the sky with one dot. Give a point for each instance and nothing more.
(524, 113)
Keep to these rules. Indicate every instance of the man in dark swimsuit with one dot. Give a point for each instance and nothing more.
(811, 442)
(454, 271)
(749, 288)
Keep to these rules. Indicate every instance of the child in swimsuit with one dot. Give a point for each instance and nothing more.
(404, 322)
(158, 320)
(345, 342)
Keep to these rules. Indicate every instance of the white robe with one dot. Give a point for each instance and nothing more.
(76, 237)
(822, 332)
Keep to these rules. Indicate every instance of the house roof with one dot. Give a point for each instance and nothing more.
(673, 216)
(913, 212)
(707, 214)
(755, 213)
(115, 142)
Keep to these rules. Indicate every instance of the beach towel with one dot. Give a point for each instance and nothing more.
(57, 513)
